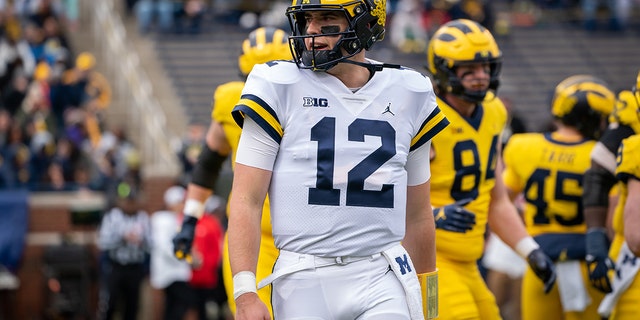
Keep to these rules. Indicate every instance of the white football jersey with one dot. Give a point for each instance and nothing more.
(339, 182)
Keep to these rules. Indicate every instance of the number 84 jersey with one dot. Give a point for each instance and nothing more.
(339, 180)
(463, 165)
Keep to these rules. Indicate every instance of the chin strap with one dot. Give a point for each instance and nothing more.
(373, 67)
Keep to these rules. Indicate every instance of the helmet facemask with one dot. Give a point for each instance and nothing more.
(363, 30)
(448, 81)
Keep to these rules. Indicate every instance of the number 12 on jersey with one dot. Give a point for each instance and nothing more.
(324, 133)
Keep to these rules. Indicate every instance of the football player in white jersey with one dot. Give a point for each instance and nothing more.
(341, 144)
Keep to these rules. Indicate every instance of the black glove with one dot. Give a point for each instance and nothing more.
(543, 267)
(598, 261)
(184, 239)
(455, 217)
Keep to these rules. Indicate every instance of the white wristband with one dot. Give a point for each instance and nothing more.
(194, 208)
(525, 246)
(244, 282)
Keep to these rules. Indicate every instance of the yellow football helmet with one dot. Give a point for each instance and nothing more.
(263, 45)
(583, 101)
(460, 42)
(366, 19)
(627, 110)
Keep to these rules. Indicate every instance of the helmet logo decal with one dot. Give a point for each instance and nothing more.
(380, 11)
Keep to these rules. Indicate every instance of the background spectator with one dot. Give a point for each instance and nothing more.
(168, 273)
(189, 13)
(154, 13)
(16, 57)
(125, 236)
(207, 258)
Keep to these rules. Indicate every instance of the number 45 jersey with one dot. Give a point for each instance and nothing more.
(339, 182)
(549, 171)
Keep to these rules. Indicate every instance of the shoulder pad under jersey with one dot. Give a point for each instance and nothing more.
(278, 71)
(414, 80)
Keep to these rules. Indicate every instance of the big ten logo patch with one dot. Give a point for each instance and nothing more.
(315, 102)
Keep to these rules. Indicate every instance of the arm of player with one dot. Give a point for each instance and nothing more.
(255, 157)
(249, 190)
(215, 150)
(193, 210)
(420, 232)
(632, 216)
(507, 224)
(597, 183)
(420, 243)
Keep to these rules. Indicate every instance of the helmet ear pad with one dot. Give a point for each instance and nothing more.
(367, 31)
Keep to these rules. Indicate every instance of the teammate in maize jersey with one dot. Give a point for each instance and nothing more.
(341, 144)
(598, 185)
(622, 303)
(550, 177)
(262, 45)
(465, 61)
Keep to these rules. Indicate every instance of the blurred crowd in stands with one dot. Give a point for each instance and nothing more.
(180, 16)
(411, 22)
(53, 135)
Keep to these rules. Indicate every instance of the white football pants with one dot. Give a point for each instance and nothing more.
(361, 288)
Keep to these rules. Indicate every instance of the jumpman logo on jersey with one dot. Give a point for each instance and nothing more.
(388, 109)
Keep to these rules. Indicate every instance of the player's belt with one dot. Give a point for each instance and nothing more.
(402, 267)
(308, 261)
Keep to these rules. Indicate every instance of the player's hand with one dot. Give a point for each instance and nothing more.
(455, 217)
(249, 307)
(598, 261)
(184, 239)
(543, 267)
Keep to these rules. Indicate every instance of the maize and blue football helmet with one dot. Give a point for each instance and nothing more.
(627, 108)
(583, 101)
(366, 20)
(263, 44)
(461, 42)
